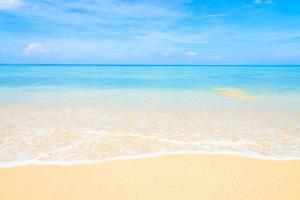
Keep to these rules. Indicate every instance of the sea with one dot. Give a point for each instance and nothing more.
(76, 113)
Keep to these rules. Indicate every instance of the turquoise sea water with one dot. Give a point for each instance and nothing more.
(68, 114)
(263, 79)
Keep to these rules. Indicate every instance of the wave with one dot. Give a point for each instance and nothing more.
(79, 152)
(76, 132)
(143, 156)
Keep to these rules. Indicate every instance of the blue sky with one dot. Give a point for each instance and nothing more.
(150, 31)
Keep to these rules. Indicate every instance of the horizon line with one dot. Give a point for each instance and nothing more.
(126, 64)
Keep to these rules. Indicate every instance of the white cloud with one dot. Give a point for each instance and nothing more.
(92, 13)
(212, 57)
(9, 4)
(34, 49)
(263, 1)
(164, 53)
(192, 55)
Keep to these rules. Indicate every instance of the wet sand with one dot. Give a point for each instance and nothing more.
(235, 93)
(172, 177)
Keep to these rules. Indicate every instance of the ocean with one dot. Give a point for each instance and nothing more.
(70, 114)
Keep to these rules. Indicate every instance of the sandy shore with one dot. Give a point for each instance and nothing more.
(173, 177)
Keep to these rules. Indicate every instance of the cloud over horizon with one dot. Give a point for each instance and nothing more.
(192, 55)
(34, 49)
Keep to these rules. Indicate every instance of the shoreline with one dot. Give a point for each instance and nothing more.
(145, 156)
(176, 177)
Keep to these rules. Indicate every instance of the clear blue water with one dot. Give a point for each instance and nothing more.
(70, 114)
(260, 79)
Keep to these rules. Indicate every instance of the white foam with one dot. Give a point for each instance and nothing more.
(142, 156)
(43, 134)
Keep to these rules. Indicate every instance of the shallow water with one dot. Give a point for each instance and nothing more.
(68, 114)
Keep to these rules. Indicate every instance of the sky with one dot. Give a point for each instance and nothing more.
(150, 31)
